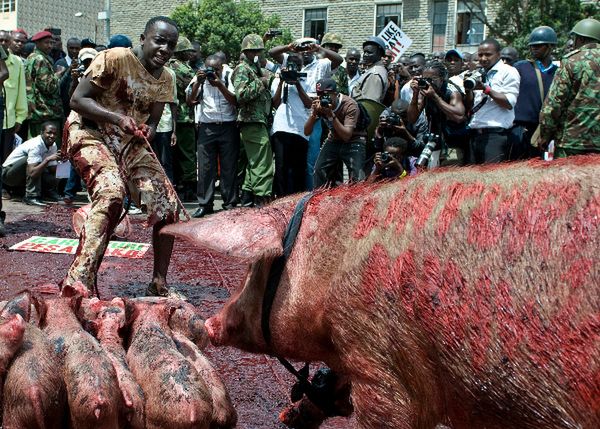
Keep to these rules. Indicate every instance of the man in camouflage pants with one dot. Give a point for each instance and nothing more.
(254, 105)
(116, 108)
(571, 112)
(185, 151)
(43, 94)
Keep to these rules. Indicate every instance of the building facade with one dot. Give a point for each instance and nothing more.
(431, 24)
(35, 15)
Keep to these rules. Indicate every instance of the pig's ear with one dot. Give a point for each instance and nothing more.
(41, 309)
(244, 233)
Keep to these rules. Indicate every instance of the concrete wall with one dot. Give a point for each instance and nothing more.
(35, 15)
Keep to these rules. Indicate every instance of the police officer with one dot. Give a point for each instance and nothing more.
(537, 74)
(254, 105)
(570, 113)
(334, 43)
(185, 150)
(372, 84)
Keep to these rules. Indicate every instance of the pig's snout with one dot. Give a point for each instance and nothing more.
(214, 328)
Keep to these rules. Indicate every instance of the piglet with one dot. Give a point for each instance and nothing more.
(176, 396)
(34, 392)
(93, 393)
(108, 321)
(224, 415)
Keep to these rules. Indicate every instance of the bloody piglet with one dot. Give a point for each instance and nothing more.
(176, 396)
(34, 391)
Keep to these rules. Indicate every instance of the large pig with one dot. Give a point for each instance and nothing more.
(34, 392)
(469, 297)
(94, 398)
(108, 321)
(176, 395)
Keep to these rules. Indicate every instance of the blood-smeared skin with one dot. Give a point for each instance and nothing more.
(175, 394)
(454, 311)
(34, 391)
(93, 393)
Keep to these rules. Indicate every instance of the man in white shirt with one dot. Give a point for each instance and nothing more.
(213, 95)
(492, 102)
(290, 145)
(33, 165)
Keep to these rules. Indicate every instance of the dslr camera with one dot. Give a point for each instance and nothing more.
(325, 100)
(471, 79)
(392, 120)
(423, 82)
(274, 32)
(430, 142)
(210, 73)
(386, 157)
(291, 73)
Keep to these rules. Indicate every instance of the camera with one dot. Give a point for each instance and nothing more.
(274, 32)
(210, 73)
(430, 141)
(393, 120)
(291, 73)
(386, 157)
(471, 80)
(423, 82)
(325, 100)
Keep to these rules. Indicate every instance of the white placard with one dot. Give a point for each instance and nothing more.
(396, 40)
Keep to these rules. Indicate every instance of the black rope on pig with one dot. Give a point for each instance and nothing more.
(304, 386)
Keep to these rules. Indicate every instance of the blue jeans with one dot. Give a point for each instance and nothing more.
(73, 184)
(352, 154)
(314, 147)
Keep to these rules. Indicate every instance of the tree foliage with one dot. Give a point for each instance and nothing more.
(220, 25)
(515, 19)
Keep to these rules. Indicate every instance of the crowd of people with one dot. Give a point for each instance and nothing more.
(272, 123)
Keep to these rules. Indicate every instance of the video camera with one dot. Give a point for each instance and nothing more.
(274, 32)
(291, 74)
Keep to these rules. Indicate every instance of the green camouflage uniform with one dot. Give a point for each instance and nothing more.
(341, 80)
(43, 94)
(571, 113)
(185, 150)
(254, 108)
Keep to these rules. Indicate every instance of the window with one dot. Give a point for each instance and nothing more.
(315, 23)
(7, 6)
(469, 25)
(440, 16)
(387, 13)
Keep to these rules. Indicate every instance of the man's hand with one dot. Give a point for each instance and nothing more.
(316, 107)
(428, 92)
(414, 85)
(127, 125)
(216, 82)
(17, 127)
(201, 75)
(173, 139)
(54, 157)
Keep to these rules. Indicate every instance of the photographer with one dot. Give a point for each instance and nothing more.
(344, 143)
(388, 164)
(441, 104)
(213, 96)
(290, 145)
(490, 95)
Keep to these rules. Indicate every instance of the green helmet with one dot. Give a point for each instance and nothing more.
(588, 27)
(183, 44)
(252, 41)
(543, 36)
(331, 39)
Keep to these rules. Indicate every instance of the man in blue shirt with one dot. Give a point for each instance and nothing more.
(536, 77)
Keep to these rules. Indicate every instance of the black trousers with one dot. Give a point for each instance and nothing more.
(161, 145)
(489, 145)
(218, 144)
(290, 152)
(352, 154)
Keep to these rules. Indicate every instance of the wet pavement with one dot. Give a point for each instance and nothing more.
(258, 385)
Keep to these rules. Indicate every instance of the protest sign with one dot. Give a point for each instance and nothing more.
(396, 40)
(120, 249)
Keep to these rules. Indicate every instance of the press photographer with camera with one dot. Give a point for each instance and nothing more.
(290, 145)
(442, 105)
(490, 95)
(345, 142)
(388, 164)
(218, 141)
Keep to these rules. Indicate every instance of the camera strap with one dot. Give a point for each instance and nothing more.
(475, 109)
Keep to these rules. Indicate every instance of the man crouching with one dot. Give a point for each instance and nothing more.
(116, 108)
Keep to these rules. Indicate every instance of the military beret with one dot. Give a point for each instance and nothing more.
(41, 35)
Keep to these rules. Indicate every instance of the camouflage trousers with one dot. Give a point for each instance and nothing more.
(108, 176)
